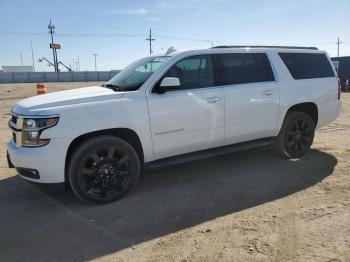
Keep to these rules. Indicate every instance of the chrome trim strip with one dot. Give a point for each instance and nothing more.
(34, 116)
(12, 125)
(19, 125)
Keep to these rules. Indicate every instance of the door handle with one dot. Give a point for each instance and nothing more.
(212, 100)
(268, 92)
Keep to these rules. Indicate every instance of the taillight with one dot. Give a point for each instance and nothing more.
(339, 88)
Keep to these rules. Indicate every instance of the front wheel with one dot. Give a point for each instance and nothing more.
(296, 135)
(103, 169)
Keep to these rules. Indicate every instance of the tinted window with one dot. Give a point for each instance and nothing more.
(306, 66)
(245, 68)
(193, 72)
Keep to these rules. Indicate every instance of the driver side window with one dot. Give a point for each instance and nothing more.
(194, 72)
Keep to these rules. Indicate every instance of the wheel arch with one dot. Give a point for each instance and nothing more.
(126, 134)
(309, 108)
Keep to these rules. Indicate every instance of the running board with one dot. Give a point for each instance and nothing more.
(208, 153)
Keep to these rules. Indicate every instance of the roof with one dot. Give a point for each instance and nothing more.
(265, 46)
(245, 48)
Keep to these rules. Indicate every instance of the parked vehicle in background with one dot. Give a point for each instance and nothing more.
(343, 69)
(97, 139)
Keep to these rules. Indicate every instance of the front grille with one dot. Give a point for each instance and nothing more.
(16, 124)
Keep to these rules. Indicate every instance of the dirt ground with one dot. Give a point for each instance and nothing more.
(246, 206)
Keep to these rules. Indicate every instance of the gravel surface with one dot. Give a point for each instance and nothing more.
(246, 206)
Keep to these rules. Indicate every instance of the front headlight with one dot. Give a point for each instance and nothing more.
(32, 129)
(39, 123)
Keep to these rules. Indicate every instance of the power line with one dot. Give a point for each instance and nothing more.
(156, 35)
(100, 35)
(150, 38)
(21, 33)
(108, 28)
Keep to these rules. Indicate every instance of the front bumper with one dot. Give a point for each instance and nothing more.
(9, 162)
(48, 160)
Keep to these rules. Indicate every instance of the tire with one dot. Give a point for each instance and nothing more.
(103, 169)
(296, 135)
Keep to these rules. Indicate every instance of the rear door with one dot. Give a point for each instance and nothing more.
(251, 96)
(189, 118)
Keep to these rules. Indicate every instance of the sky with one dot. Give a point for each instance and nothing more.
(116, 30)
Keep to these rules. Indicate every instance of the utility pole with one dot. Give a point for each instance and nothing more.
(51, 28)
(338, 43)
(95, 61)
(31, 48)
(150, 39)
(21, 58)
(78, 64)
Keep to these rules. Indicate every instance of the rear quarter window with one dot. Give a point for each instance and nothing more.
(244, 68)
(307, 66)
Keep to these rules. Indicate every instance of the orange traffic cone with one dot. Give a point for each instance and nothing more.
(346, 89)
(40, 89)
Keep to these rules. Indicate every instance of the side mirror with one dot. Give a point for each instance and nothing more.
(168, 82)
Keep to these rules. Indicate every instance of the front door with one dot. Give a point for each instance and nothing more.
(189, 118)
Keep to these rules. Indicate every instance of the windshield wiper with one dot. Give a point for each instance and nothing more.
(113, 87)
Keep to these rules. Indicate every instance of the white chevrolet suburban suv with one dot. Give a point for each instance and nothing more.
(97, 139)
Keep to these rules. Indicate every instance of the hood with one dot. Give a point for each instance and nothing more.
(46, 104)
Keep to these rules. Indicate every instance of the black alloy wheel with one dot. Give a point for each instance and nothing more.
(104, 169)
(296, 135)
(299, 136)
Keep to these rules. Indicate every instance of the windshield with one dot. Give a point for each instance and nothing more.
(134, 75)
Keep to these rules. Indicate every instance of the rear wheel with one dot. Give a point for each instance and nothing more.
(103, 169)
(296, 135)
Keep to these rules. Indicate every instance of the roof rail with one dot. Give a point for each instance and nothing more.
(265, 46)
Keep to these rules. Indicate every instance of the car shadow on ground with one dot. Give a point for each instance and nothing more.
(45, 222)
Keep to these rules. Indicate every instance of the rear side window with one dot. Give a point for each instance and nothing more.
(307, 66)
(237, 68)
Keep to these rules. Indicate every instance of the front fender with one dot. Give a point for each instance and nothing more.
(126, 112)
